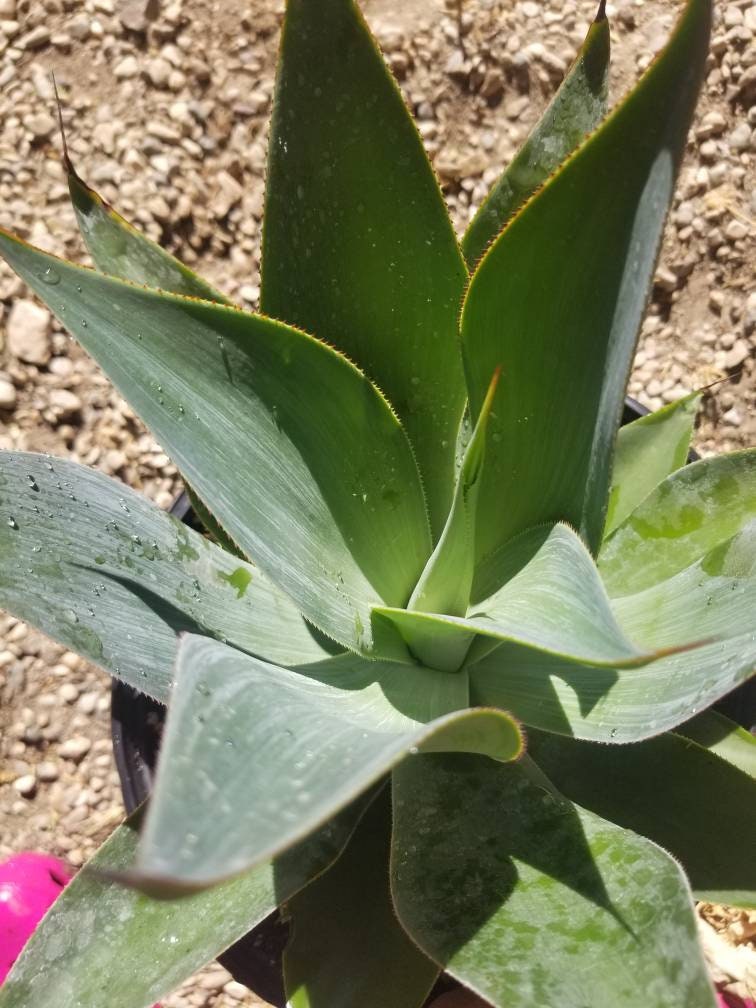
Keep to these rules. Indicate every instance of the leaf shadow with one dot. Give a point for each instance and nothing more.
(489, 824)
(521, 680)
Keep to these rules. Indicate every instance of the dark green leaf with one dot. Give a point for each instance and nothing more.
(528, 899)
(120, 250)
(232, 398)
(101, 569)
(689, 801)
(558, 299)
(577, 108)
(647, 451)
(347, 948)
(358, 247)
(282, 751)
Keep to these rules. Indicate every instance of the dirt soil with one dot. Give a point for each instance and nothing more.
(166, 104)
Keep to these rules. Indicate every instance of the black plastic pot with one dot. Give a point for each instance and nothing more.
(137, 722)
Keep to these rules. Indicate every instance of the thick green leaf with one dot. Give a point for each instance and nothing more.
(689, 801)
(577, 108)
(528, 899)
(723, 737)
(714, 599)
(255, 756)
(647, 451)
(693, 511)
(552, 600)
(358, 247)
(446, 582)
(610, 705)
(558, 299)
(120, 250)
(347, 948)
(301, 458)
(101, 569)
(104, 944)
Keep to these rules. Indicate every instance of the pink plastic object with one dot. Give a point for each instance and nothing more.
(29, 884)
(729, 1000)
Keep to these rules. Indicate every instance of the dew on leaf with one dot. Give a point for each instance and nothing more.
(50, 276)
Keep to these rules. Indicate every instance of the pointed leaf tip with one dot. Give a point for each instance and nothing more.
(67, 164)
(601, 13)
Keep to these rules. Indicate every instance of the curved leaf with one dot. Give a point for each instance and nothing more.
(647, 451)
(281, 752)
(102, 943)
(577, 108)
(713, 599)
(610, 705)
(552, 600)
(347, 948)
(358, 246)
(331, 510)
(102, 570)
(119, 249)
(689, 801)
(693, 511)
(724, 738)
(567, 281)
(528, 899)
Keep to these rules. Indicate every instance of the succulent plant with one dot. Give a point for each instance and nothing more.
(438, 588)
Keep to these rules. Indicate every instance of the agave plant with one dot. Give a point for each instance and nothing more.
(426, 541)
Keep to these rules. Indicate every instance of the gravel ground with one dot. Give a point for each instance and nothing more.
(166, 106)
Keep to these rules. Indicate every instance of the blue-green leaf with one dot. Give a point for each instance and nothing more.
(103, 943)
(558, 299)
(119, 249)
(281, 752)
(691, 802)
(358, 246)
(577, 108)
(551, 600)
(693, 511)
(333, 510)
(347, 948)
(528, 899)
(647, 451)
(102, 570)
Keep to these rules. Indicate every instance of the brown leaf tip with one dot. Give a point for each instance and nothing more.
(601, 15)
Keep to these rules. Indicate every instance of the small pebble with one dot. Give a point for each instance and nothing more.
(75, 748)
(26, 785)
